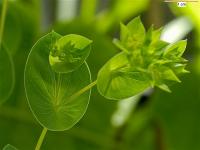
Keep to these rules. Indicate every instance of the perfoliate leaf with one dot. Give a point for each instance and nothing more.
(136, 26)
(179, 68)
(6, 74)
(51, 94)
(114, 81)
(9, 147)
(69, 52)
(168, 74)
(156, 34)
(146, 61)
(176, 50)
(124, 33)
(132, 36)
(163, 87)
(120, 45)
(153, 44)
(149, 36)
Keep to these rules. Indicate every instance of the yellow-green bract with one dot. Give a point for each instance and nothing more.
(145, 61)
(49, 93)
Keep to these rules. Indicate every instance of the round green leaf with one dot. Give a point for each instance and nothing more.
(69, 53)
(49, 93)
(117, 81)
(6, 74)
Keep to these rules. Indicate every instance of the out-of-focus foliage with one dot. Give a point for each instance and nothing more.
(21, 29)
(119, 11)
(177, 114)
(6, 74)
(9, 147)
(191, 11)
(16, 25)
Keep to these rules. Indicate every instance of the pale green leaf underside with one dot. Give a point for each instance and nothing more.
(69, 52)
(117, 85)
(9, 147)
(6, 74)
(49, 93)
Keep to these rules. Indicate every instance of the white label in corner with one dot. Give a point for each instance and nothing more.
(181, 4)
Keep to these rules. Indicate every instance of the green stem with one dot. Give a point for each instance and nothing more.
(41, 139)
(3, 17)
(83, 90)
(24, 117)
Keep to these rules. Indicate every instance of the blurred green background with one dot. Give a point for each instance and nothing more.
(154, 121)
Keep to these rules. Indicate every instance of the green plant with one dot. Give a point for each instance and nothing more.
(58, 82)
(145, 61)
(49, 88)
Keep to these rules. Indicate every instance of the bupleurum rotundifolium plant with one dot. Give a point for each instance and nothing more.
(145, 61)
(58, 81)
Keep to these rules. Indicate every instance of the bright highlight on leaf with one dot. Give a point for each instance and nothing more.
(51, 94)
(6, 74)
(145, 61)
(69, 52)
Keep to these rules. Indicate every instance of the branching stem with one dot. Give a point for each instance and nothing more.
(74, 96)
(83, 90)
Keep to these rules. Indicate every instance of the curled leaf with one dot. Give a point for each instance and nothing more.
(69, 52)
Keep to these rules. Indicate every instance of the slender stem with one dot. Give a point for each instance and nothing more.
(41, 139)
(24, 118)
(83, 90)
(44, 131)
(3, 17)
